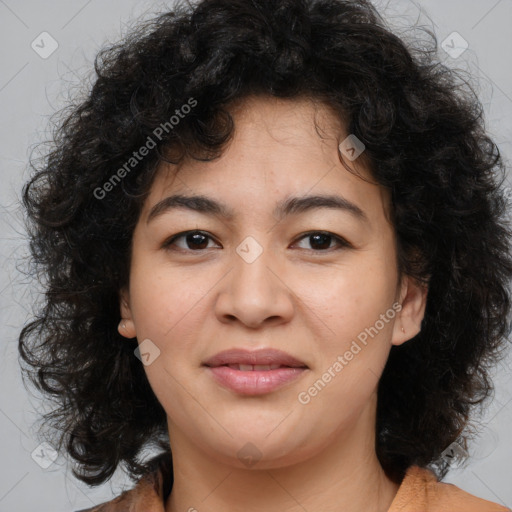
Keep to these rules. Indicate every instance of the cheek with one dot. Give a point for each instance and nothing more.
(162, 297)
(357, 320)
(169, 308)
(350, 301)
(165, 303)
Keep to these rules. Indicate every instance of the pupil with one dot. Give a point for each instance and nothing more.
(323, 238)
(195, 240)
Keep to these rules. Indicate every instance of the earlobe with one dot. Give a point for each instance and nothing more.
(126, 326)
(413, 300)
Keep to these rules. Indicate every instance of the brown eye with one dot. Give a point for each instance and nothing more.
(192, 240)
(322, 240)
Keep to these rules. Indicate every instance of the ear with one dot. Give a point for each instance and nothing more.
(413, 300)
(126, 326)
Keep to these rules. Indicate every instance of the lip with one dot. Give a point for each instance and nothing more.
(254, 357)
(254, 382)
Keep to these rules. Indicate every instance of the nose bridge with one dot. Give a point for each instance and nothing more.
(254, 281)
(254, 293)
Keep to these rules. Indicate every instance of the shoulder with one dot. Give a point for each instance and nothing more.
(148, 494)
(422, 492)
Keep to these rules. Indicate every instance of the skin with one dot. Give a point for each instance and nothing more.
(310, 302)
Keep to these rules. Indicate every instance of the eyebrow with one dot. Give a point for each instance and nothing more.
(285, 207)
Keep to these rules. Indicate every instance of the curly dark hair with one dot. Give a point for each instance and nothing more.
(425, 140)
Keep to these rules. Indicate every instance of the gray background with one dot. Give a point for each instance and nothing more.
(31, 88)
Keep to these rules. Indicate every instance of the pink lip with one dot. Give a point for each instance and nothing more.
(261, 356)
(254, 382)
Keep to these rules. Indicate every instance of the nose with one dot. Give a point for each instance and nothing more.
(255, 293)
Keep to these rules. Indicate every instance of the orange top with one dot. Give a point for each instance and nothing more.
(419, 491)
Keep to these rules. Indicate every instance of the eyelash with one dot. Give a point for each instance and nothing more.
(342, 243)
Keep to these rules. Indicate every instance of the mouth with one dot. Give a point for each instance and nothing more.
(254, 372)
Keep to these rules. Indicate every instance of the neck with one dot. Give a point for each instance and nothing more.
(346, 475)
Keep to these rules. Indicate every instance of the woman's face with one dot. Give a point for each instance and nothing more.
(318, 283)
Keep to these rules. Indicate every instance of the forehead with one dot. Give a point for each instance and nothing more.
(280, 148)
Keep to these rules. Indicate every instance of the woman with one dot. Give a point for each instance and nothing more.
(274, 243)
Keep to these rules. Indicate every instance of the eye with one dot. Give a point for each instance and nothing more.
(321, 240)
(194, 240)
(198, 240)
